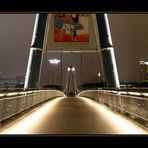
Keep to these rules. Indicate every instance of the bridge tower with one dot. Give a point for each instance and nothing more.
(107, 51)
(36, 52)
(39, 43)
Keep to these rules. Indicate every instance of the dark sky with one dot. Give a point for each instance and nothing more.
(15, 39)
(129, 34)
(130, 39)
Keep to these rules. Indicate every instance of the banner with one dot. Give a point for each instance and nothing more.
(71, 27)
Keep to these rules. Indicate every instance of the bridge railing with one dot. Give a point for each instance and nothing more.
(134, 107)
(13, 105)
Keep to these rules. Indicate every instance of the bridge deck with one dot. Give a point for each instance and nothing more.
(72, 116)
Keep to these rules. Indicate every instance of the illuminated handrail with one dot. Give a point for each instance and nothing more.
(135, 107)
(13, 105)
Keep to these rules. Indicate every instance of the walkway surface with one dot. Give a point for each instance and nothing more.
(72, 116)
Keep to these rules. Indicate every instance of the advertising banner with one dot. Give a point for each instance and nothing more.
(71, 27)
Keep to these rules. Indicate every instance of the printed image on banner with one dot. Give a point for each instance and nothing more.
(71, 27)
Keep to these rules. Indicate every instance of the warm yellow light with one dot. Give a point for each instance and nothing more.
(123, 92)
(12, 94)
(33, 120)
(25, 124)
(121, 124)
(145, 94)
(2, 95)
(134, 93)
(141, 62)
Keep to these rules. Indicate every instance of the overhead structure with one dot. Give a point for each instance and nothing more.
(63, 32)
(72, 33)
(36, 52)
(107, 51)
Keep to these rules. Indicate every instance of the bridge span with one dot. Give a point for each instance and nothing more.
(72, 115)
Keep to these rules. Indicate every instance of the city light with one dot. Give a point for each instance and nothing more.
(71, 68)
(68, 69)
(144, 63)
(99, 74)
(54, 61)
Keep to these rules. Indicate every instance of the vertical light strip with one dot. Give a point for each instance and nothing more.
(28, 68)
(31, 52)
(115, 67)
(35, 28)
(108, 29)
(112, 53)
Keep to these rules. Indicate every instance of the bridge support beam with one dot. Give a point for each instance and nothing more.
(107, 51)
(36, 52)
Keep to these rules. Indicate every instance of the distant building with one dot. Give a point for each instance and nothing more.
(8, 82)
(20, 81)
(17, 82)
(144, 71)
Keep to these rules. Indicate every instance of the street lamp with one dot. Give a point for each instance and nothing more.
(68, 69)
(71, 68)
(99, 77)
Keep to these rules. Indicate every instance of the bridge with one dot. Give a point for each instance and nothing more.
(72, 110)
(90, 112)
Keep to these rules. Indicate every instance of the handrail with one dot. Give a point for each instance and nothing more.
(16, 104)
(135, 107)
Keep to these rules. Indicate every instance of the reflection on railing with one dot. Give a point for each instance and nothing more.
(10, 106)
(11, 92)
(134, 107)
(143, 92)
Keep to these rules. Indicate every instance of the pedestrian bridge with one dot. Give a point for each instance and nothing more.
(90, 112)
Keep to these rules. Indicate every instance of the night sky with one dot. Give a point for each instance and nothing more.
(129, 34)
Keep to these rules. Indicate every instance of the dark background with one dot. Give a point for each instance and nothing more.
(129, 34)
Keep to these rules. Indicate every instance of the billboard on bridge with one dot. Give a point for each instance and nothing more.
(71, 27)
(71, 32)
